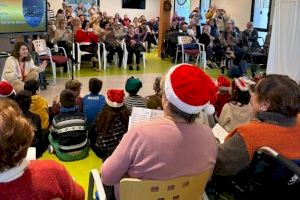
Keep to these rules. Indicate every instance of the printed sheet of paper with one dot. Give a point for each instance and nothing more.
(31, 153)
(143, 114)
(220, 133)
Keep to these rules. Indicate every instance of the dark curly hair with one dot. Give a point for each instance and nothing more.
(16, 134)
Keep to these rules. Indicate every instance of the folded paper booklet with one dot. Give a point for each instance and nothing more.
(143, 114)
(219, 132)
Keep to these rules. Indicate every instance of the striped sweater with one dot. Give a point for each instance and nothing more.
(135, 101)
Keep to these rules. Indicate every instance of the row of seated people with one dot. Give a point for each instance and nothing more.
(217, 41)
(158, 149)
(107, 30)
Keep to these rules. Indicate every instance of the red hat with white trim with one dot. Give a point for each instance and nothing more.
(6, 89)
(190, 89)
(115, 98)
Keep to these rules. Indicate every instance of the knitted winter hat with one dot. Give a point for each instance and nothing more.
(6, 89)
(115, 98)
(190, 89)
(133, 85)
(223, 82)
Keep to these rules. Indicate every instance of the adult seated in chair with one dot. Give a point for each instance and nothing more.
(86, 34)
(275, 103)
(19, 67)
(133, 46)
(113, 44)
(249, 36)
(158, 149)
(24, 179)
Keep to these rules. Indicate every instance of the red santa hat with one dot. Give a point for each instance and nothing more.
(223, 82)
(6, 89)
(190, 89)
(115, 98)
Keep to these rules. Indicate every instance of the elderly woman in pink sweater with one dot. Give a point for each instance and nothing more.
(174, 145)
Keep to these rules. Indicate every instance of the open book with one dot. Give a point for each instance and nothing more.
(219, 132)
(143, 114)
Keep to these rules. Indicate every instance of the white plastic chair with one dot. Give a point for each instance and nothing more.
(82, 53)
(125, 57)
(200, 51)
(45, 54)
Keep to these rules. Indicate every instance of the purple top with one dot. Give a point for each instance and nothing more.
(136, 38)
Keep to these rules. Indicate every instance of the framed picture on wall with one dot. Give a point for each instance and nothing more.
(134, 4)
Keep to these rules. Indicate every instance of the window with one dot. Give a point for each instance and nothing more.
(260, 15)
(204, 6)
(182, 7)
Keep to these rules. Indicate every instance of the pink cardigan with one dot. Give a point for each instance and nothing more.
(161, 149)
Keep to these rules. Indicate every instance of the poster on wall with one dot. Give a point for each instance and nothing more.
(182, 8)
(23, 16)
(134, 4)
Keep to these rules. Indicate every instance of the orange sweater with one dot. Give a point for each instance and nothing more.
(285, 140)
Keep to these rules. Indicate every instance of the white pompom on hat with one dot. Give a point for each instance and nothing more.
(190, 89)
(115, 98)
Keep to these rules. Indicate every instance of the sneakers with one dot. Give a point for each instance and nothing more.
(130, 67)
(96, 69)
(137, 67)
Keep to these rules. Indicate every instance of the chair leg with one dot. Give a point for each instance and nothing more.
(53, 65)
(197, 59)
(104, 60)
(176, 57)
(99, 59)
(182, 57)
(79, 62)
(144, 59)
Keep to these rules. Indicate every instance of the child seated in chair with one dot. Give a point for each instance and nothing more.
(68, 136)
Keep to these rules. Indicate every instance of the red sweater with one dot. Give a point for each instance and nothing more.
(82, 36)
(42, 180)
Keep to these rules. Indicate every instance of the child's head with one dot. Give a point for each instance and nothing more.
(23, 98)
(240, 91)
(95, 86)
(133, 85)
(75, 86)
(67, 98)
(32, 86)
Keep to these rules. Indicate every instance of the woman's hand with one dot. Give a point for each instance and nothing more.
(43, 65)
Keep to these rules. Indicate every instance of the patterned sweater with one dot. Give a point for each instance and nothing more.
(69, 129)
